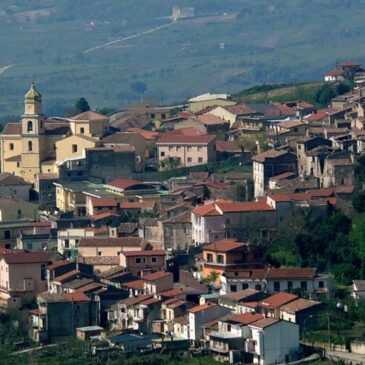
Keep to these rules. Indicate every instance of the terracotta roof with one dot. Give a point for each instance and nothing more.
(170, 301)
(171, 293)
(104, 215)
(90, 116)
(111, 242)
(206, 210)
(42, 224)
(228, 146)
(349, 64)
(155, 276)
(240, 109)
(148, 135)
(184, 217)
(150, 301)
(225, 245)
(12, 129)
(76, 297)
(198, 175)
(137, 205)
(282, 176)
(189, 131)
(24, 257)
(300, 273)
(67, 275)
(56, 264)
(202, 307)
(59, 129)
(7, 179)
(290, 124)
(136, 284)
(277, 300)
(299, 304)
(182, 139)
(210, 119)
(268, 155)
(183, 320)
(335, 73)
(104, 202)
(124, 183)
(239, 295)
(245, 319)
(16, 158)
(144, 253)
(263, 323)
(136, 300)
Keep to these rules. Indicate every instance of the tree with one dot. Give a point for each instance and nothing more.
(170, 163)
(358, 201)
(82, 105)
(138, 87)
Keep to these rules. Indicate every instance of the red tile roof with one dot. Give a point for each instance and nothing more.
(56, 264)
(349, 64)
(299, 304)
(268, 155)
(111, 242)
(136, 300)
(104, 202)
(104, 215)
(210, 119)
(90, 116)
(148, 135)
(144, 253)
(155, 276)
(67, 275)
(42, 224)
(277, 300)
(150, 301)
(24, 257)
(245, 319)
(228, 146)
(137, 205)
(295, 273)
(136, 284)
(335, 73)
(12, 129)
(124, 183)
(225, 245)
(76, 297)
(263, 323)
(202, 307)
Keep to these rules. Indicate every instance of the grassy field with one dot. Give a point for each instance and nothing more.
(230, 46)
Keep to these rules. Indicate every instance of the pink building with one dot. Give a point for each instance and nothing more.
(245, 221)
(23, 275)
(188, 147)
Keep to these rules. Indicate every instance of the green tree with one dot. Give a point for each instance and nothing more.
(358, 201)
(82, 105)
(170, 163)
(357, 240)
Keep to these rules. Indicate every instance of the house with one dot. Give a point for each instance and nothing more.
(233, 331)
(188, 149)
(104, 253)
(132, 343)
(245, 221)
(22, 277)
(299, 310)
(128, 188)
(88, 332)
(273, 341)
(268, 164)
(203, 101)
(338, 169)
(157, 282)
(230, 255)
(59, 315)
(273, 280)
(232, 300)
(14, 187)
(200, 315)
(14, 209)
(358, 290)
(334, 75)
(270, 307)
(140, 263)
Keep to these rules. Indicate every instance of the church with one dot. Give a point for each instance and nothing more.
(38, 145)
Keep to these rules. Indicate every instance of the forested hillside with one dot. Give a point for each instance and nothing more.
(116, 52)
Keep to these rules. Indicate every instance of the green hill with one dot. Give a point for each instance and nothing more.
(71, 49)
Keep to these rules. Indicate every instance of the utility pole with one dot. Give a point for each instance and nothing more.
(329, 331)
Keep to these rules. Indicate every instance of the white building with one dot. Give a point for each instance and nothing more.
(273, 341)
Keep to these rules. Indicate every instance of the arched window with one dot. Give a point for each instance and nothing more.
(30, 146)
(30, 126)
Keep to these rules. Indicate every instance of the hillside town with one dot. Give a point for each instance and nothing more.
(153, 228)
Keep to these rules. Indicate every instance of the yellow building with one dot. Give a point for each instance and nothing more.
(35, 145)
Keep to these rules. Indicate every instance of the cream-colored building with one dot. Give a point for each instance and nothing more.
(33, 146)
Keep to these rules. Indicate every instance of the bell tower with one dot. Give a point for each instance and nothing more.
(33, 133)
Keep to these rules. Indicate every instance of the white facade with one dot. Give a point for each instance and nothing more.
(274, 344)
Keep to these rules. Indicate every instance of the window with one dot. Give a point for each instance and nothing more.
(162, 154)
(244, 286)
(43, 272)
(233, 288)
(30, 146)
(11, 146)
(220, 259)
(74, 148)
(200, 159)
(19, 213)
(258, 287)
(210, 257)
(154, 259)
(18, 164)
(152, 115)
(290, 285)
(30, 126)
(321, 284)
(227, 221)
(138, 260)
(228, 328)
(67, 243)
(6, 235)
(99, 253)
(82, 130)
(276, 285)
(163, 116)
(303, 285)
(189, 159)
